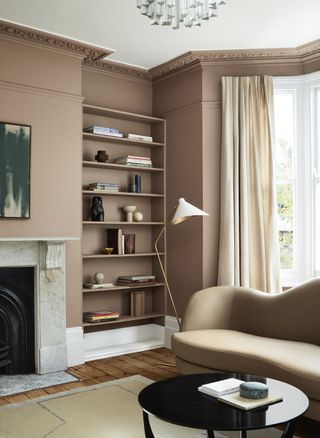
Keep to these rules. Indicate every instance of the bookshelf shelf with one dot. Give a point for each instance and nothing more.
(123, 223)
(112, 256)
(123, 319)
(117, 287)
(120, 140)
(128, 194)
(151, 203)
(114, 166)
(124, 115)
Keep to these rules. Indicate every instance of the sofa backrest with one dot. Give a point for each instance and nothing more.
(292, 315)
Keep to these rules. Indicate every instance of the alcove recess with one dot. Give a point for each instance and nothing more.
(151, 202)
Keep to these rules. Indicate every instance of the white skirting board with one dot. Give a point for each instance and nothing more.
(170, 328)
(75, 346)
(97, 345)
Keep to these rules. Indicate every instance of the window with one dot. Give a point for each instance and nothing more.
(297, 170)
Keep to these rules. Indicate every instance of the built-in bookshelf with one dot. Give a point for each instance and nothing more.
(151, 202)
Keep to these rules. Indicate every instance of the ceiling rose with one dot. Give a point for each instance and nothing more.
(174, 12)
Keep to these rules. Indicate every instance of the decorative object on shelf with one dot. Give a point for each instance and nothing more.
(98, 277)
(107, 250)
(15, 170)
(132, 188)
(101, 157)
(137, 303)
(174, 12)
(254, 390)
(96, 210)
(129, 209)
(129, 243)
(137, 181)
(183, 211)
(138, 216)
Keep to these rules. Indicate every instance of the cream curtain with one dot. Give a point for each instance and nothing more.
(249, 246)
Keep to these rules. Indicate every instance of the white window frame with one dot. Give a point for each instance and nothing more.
(306, 138)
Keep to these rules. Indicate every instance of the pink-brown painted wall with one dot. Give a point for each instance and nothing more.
(190, 100)
(42, 88)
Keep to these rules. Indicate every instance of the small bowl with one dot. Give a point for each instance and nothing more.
(107, 250)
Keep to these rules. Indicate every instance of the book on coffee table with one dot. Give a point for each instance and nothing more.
(221, 387)
(246, 404)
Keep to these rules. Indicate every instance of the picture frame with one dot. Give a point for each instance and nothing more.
(15, 148)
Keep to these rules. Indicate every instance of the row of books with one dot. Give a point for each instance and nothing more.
(120, 242)
(113, 132)
(134, 160)
(100, 316)
(110, 187)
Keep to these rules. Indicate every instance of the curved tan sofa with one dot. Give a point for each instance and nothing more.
(232, 329)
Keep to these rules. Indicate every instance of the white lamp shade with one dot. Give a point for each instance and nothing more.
(185, 210)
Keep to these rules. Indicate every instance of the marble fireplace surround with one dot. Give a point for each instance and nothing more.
(47, 256)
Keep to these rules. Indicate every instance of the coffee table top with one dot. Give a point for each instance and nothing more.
(178, 401)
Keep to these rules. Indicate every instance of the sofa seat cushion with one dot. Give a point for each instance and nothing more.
(293, 362)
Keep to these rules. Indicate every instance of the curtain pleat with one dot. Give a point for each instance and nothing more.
(249, 246)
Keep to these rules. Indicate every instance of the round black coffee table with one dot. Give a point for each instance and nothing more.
(178, 401)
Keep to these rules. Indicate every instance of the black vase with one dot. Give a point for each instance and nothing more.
(96, 210)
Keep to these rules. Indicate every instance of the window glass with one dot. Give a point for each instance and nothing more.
(285, 174)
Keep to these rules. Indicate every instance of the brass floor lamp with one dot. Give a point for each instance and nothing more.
(180, 213)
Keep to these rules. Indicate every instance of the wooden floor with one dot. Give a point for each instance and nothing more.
(155, 364)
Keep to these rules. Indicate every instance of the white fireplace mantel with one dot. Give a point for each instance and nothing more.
(47, 256)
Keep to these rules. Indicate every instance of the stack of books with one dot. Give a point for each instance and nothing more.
(134, 160)
(102, 130)
(101, 316)
(228, 391)
(129, 279)
(107, 187)
(98, 285)
(120, 242)
(140, 137)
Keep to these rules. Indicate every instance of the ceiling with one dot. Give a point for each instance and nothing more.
(118, 25)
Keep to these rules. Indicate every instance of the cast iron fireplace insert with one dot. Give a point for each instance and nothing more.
(17, 350)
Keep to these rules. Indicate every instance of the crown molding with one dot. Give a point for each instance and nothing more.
(118, 68)
(92, 56)
(47, 40)
(302, 53)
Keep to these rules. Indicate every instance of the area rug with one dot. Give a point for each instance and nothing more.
(26, 382)
(106, 410)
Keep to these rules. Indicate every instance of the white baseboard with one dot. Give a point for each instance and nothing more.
(75, 346)
(171, 327)
(98, 345)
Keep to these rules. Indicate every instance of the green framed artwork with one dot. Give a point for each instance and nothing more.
(15, 141)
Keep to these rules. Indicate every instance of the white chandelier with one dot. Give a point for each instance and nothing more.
(174, 12)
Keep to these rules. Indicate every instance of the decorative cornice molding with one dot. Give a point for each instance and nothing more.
(93, 56)
(88, 52)
(301, 53)
(118, 68)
